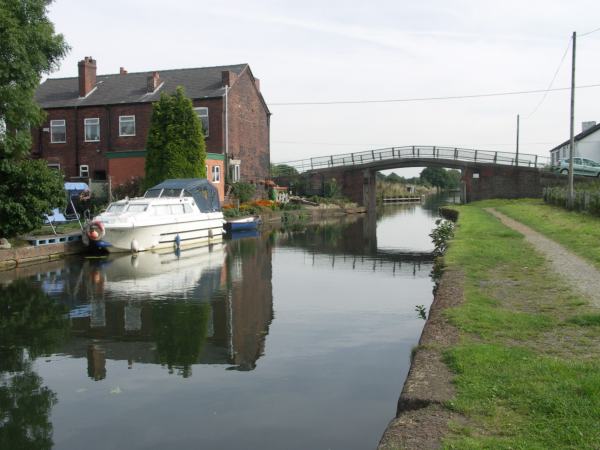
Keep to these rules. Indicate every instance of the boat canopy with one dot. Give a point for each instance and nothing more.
(203, 192)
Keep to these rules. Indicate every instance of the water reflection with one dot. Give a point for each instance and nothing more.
(31, 325)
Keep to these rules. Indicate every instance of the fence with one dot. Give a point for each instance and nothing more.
(583, 201)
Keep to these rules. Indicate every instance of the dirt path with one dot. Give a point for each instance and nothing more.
(577, 272)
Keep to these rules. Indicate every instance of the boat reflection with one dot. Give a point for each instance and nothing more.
(208, 305)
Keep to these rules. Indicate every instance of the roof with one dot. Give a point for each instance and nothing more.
(578, 137)
(202, 82)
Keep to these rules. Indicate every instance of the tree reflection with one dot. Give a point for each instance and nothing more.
(31, 325)
(180, 331)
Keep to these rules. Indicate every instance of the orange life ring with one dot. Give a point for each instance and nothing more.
(95, 230)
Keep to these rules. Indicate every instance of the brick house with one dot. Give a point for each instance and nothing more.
(97, 125)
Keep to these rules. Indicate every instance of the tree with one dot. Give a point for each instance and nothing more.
(175, 146)
(30, 48)
(435, 176)
(454, 177)
(28, 190)
(278, 170)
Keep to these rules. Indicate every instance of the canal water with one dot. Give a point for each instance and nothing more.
(295, 339)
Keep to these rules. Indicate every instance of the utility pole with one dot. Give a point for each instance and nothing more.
(572, 143)
(517, 160)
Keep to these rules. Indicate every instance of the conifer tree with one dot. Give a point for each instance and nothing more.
(175, 146)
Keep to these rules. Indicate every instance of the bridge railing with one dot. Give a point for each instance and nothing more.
(418, 152)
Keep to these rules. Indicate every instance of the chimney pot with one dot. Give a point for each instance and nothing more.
(87, 75)
(152, 82)
(228, 77)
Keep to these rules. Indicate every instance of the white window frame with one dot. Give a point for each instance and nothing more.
(202, 112)
(91, 121)
(235, 173)
(54, 124)
(126, 119)
(216, 173)
(84, 168)
(54, 166)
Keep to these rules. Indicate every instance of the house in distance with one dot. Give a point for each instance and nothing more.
(97, 125)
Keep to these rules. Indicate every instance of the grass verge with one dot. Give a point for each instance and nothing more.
(528, 365)
(578, 232)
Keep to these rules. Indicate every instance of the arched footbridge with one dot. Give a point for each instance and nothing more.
(485, 173)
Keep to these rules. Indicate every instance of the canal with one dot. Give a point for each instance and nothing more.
(296, 339)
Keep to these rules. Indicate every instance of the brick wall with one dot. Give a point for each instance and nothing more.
(248, 129)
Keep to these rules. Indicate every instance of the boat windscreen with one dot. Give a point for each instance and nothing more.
(153, 193)
(171, 193)
(138, 207)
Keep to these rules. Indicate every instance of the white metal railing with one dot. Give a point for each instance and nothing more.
(371, 157)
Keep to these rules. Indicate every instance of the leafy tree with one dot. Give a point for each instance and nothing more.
(278, 170)
(28, 190)
(175, 146)
(435, 176)
(395, 178)
(244, 192)
(454, 177)
(30, 48)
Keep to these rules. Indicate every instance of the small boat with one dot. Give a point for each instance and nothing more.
(243, 224)
(174, 213)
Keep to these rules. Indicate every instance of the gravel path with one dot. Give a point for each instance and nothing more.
(580, 274)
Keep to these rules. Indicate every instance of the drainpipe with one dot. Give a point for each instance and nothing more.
(226, 165)
(76, 142)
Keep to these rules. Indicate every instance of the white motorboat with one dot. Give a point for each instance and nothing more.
(175, 213)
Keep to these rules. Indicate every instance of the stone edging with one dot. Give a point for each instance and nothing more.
(421, 418)
(21, 256)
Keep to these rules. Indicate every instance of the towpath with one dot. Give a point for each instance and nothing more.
(577, 272)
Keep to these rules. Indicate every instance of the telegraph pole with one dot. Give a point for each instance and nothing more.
(572, 143)
(517, 160)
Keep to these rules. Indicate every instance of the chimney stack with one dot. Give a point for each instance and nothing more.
(228, 77)
(152, 82)
(257, 83)
(122, 71)
(87, 75)
(587, 125)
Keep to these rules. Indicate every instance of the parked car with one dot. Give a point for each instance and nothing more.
(581, 166)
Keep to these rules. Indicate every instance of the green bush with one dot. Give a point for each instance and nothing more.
(586, 198)
(244, 192)
(28, 190)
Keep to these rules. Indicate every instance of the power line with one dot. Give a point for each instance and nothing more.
(562, 59)
(589, 32)
(388, 145)
(424, 99)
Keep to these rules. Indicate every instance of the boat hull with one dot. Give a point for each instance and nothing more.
(152, 237)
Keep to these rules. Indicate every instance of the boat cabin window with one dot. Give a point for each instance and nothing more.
(188, 209)
(153, 193)
(160, 210)
(140, 207)
(115, 208)
(177, 209)
(171, 193)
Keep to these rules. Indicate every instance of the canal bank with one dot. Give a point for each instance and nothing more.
(510, 356)
(28, 254)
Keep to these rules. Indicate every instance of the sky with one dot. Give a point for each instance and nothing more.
(317, 51)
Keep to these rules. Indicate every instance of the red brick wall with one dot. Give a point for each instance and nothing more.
(124, 169)
(248, 129)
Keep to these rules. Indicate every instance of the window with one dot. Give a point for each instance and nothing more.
(171, 193)
(58, 132)
(202, 113)
(54, 166)
(115, 208)
(235, 173)
(84, 171)
(216, 174)
(177, 209)
(153, 193)
(139, 207)
(188, 209)
(126, 125)
(100, 175)
(92, 129)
